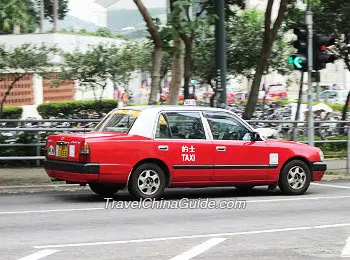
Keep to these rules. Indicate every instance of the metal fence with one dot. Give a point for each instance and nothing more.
(330, 134)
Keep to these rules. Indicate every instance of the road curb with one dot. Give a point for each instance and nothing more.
(41, 188)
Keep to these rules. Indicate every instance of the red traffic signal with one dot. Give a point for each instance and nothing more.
(321, 57)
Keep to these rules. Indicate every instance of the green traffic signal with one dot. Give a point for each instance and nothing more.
(297, 61)
(291, 60)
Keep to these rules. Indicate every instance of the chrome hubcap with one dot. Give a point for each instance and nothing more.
(148, 182)
(296, 177)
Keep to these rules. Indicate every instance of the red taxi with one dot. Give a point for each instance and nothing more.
(147, 149)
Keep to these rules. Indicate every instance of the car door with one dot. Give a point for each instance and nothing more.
(182, 142)
(236, 158)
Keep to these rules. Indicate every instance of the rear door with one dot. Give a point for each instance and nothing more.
(183, 143)
(236, 158)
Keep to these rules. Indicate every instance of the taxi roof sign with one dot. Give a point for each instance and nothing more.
(189, 102)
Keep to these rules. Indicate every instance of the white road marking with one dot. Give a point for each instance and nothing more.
(248, 201)
(332, 186)
(197, 250)
(195, 236)
(47, 211)
(346, 249)
(40, 254)
(297, 199)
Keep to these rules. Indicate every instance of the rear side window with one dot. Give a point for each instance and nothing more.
(180, 125)
(118, 121)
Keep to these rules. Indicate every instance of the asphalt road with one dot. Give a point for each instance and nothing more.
(75, 225)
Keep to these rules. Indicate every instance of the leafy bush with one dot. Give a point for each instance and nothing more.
(12, 112)
(76, 108)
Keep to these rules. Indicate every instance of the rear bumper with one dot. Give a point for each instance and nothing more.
(318, 170)
(71, 171)
(84, 168)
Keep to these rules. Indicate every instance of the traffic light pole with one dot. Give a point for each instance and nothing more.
(221, 66)
(308, 20)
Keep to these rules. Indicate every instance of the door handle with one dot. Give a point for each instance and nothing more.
(163, 147)
(221, 148)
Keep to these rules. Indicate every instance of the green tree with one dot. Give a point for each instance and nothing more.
(24, 14)
(270, 33)
(20, 61)
(18, 14)
(157, 53)
(204, 66)
(244, 39)
(331, 17)
(48, 9)
(192, 19)
(101, 64)
(104, 32)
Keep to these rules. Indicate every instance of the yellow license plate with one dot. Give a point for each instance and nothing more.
(62, 150)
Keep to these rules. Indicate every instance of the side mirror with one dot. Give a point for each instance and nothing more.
(255, 136)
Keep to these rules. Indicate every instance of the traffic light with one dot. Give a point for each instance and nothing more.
(299, 59)
(320, 55)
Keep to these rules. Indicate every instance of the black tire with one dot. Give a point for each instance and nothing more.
(104, 189)
(300, 184)
(244, 187)
(156, 175)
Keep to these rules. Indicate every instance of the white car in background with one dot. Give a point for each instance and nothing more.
(334, 96)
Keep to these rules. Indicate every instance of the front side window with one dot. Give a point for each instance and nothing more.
(180, 125)
(118, 121)
(225, 127)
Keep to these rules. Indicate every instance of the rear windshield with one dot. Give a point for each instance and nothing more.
(118, 121)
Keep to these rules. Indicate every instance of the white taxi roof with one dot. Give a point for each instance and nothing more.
(145, 125)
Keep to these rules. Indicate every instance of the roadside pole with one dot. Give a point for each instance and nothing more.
(221, 66)
(348, 152)
(317, 91)
(308, 20)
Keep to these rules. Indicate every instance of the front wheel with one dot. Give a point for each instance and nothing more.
(295, 178)
(147, 181)
(104, 189)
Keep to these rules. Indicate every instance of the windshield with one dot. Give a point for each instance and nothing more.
(118, 121)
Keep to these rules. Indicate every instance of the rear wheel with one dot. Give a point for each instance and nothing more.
(295, 178)
(104, 189)
(147, 181)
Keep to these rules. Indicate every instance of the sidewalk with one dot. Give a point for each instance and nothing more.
(28, 180)
(25, 177)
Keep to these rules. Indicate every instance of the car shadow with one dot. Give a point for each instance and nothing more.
(180, 193)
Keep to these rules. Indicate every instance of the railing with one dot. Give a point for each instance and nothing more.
(296, 130)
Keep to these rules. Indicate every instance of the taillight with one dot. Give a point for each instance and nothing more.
(84, 154)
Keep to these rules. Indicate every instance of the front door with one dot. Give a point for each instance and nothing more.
(236, 158)
(182, 143)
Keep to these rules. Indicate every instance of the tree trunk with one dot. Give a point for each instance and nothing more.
(270, 33)
(254, 92)
(42, 16)
(177, 72)
(157, 56)
(345, 107)
(16, 29)
(188, 69)
(55, 15)
(10, 87)
(300, 95)
(212, 98)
